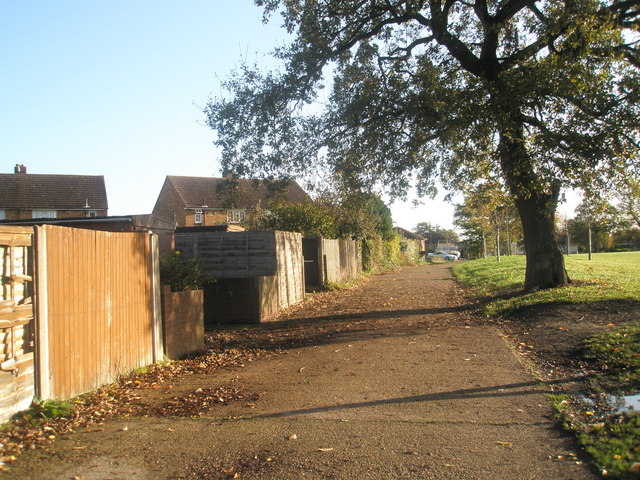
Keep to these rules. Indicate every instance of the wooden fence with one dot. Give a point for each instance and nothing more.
(182, 322)
(330, 260)
(98, 307)
(257, 273)
(231, 254)
(16, 320)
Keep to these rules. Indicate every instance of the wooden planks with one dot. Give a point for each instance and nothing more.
(16, 320)
(97, 318)
(290, 271)
(231, 254)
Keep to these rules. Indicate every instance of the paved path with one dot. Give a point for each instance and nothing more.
(413, 388)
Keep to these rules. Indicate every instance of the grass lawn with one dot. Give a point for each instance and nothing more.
(601, 341)
(608, 276)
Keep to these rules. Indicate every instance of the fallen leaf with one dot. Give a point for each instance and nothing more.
(325, 449)
(506, 444)
(293, 437)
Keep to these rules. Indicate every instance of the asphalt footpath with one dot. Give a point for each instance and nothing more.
(416, 389)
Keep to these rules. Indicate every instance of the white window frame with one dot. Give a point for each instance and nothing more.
(44, 214)
(197, 216)
(91, 214)
(236, 216)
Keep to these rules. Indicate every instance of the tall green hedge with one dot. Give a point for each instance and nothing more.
(379, 254)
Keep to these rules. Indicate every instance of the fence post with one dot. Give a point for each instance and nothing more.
(156, 307)
(42, 385)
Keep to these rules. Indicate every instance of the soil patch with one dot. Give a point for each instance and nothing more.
(551, 336)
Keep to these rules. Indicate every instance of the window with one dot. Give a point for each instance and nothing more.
(197, 217)
(43, 214)
(236, 216)
(92, 214)
(3, 215)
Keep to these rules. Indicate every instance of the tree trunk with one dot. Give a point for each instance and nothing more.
(536, 199)
(545, 262)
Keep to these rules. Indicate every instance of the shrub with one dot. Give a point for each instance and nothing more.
(182, 273)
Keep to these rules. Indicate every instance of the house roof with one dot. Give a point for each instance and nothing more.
(408, 234)
(34, 191)
(209, 192)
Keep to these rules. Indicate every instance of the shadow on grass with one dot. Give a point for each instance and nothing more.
(532, 313)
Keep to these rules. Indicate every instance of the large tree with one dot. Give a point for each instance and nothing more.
(543, 93)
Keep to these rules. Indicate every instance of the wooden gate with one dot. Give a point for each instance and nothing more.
(16, 320)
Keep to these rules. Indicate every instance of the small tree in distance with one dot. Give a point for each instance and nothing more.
(435, 234)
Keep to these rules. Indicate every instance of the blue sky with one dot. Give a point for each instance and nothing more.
(117, 89)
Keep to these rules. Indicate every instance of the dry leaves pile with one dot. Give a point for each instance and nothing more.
(199, 402)
(31, 429)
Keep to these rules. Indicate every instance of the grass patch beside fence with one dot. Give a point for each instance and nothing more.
(607, 277)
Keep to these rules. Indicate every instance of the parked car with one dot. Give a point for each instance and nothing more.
(455, 253)
(442, 254)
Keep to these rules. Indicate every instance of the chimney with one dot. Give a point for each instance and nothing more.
(20, 168)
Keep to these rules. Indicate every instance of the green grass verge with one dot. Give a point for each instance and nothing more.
(617, 353)
(615, 446)
(607, 277)
(612, 440)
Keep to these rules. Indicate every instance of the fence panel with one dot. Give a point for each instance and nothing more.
(16, 320)
(96, 309)
(290, 276)
(231, 254)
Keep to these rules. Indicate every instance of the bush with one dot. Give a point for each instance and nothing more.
(379, 254)
(182, 273)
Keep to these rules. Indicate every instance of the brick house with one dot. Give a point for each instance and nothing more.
(26, 196)
(207, 201)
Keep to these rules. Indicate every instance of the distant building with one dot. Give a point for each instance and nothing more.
(422, 241)
(26, 196)
(207, 201)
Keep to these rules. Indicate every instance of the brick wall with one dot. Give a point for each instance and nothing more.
(168, 204)
(182, 322)
(27, 214)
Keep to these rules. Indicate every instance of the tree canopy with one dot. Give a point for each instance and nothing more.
(354, 216)
(542, 93)
(435, 234)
